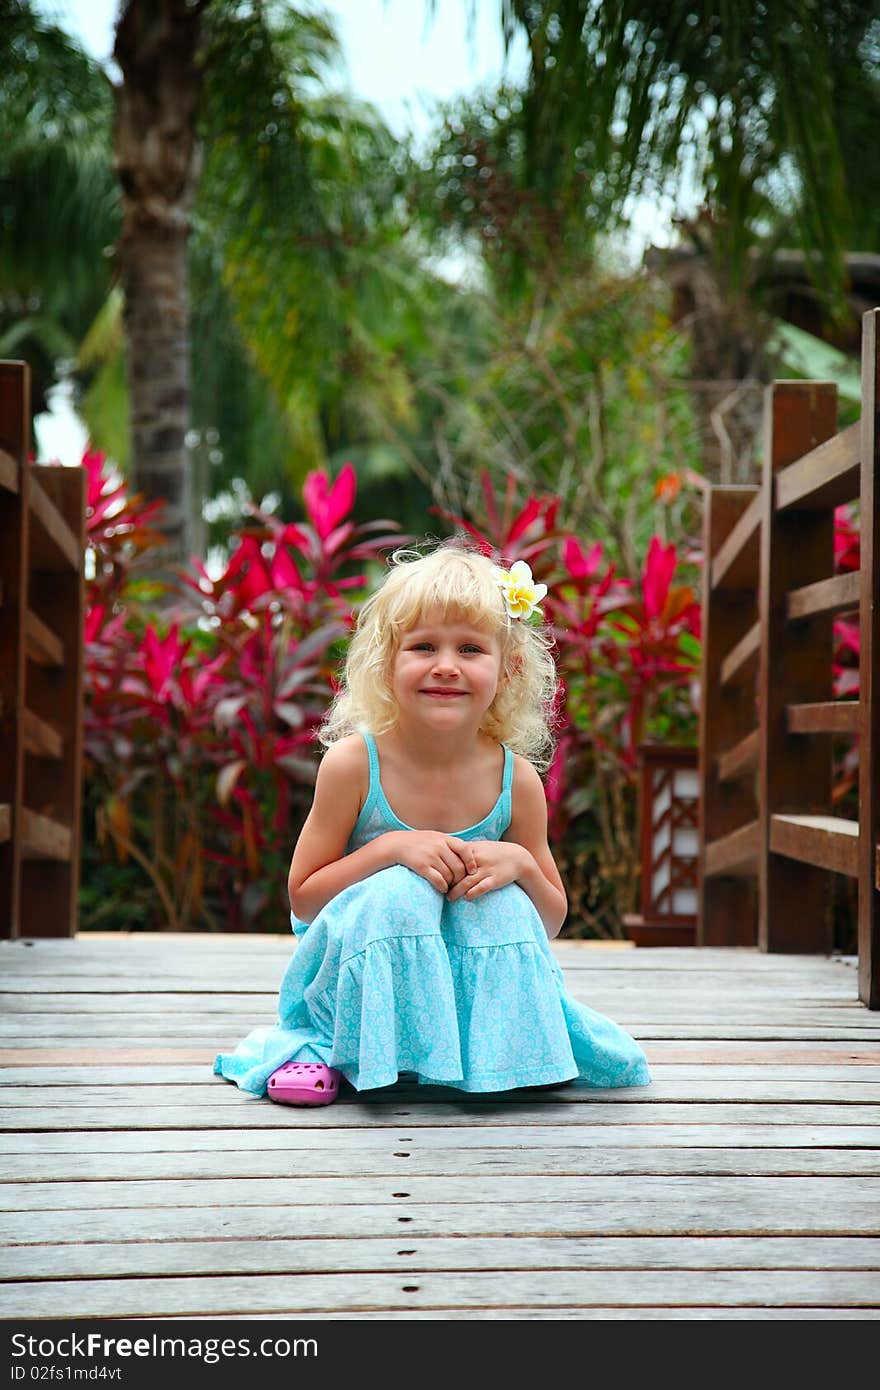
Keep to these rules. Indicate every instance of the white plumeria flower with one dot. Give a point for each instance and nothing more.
(521, 594)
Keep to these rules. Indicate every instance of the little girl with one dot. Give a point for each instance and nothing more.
(422, 886)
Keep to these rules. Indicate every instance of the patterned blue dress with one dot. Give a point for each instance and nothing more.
(390, 977)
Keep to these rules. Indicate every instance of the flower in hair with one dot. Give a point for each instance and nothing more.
(521, 594)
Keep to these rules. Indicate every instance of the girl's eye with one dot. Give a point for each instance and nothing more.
(472, 647)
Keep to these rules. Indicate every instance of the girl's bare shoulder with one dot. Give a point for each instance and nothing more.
(528, 799)
(526, 777)
(346, 764)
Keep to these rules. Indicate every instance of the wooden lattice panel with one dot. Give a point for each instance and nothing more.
(669, 821)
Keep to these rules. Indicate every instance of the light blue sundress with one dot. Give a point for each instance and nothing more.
(392, 978)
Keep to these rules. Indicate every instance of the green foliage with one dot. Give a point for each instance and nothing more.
(55, 116)
(731, 95)
(298, 208)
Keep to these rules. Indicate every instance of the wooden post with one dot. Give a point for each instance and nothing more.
(42, 544)
(869, 669)
(15, 417)
(53, 786)
(794, 773)
(726, 903)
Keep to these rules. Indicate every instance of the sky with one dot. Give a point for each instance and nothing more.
(395, 55)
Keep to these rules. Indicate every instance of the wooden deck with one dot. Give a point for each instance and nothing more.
(743, 1183)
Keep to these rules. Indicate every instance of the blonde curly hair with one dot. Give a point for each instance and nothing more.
(458, 582)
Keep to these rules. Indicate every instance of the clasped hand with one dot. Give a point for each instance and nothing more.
(460, 868)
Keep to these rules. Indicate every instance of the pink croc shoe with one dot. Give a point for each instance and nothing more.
(304, 1083)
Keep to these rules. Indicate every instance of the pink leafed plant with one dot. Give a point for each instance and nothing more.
(201, 718)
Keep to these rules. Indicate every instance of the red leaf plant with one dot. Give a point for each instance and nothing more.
(509, 530)
(653, 650)
(200, 729)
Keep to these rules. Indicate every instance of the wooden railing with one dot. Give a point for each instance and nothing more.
(769, 840)
(42, 542)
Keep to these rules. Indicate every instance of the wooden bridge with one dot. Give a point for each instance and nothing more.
(744, 1182)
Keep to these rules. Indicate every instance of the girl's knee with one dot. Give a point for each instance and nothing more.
(502, 917)
(400, 885)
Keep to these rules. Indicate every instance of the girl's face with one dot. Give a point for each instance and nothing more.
(445, 673)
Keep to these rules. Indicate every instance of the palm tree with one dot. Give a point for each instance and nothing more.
(286, 198)
(157, 48)
(297, 190)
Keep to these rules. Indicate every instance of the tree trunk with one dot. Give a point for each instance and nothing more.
(729, 364)
(156, 157)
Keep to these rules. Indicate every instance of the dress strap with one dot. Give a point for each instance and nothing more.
(374, 790)
(507, 778)
(373, 755)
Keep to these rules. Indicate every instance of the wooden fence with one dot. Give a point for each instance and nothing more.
(42, 543)
(770, 841)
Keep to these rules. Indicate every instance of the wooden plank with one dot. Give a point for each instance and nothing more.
(840, 1142)
(313, 1255)
(797, 550)
(840, 594)
(827, 841)
(43, 647)
(740, 661)
(735, 853)
(42, 838)
(40, 739)
(650, 1023)
(739, 760)
(734, 565)
(673, 1160)
(789, 1195)
(647, 1020)
(860, 1090)
(869, 669)
(54, 545)
(824, 717)
(249, 1113)
(8, 472)
(427, 1219)
(811, 1064)
(5, 821)
(142, 957)
(283, 1294)
(141, 968)
(826, 477)
(645, 1314)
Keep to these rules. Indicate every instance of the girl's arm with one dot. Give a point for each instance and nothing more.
(320, 867)
(522, 856)
(528, 827)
